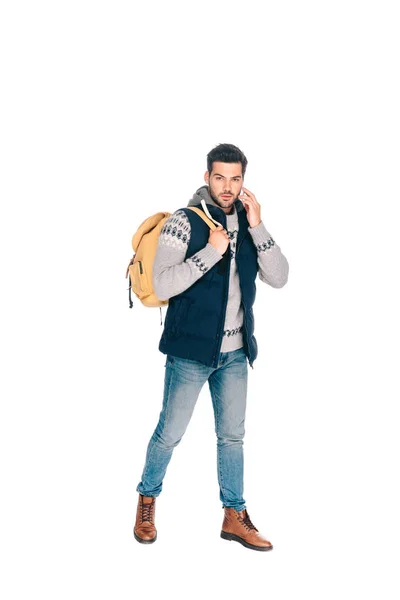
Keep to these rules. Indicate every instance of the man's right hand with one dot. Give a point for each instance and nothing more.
(219, 239)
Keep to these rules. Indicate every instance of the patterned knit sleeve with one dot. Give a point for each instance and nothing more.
(273, 265)
(172, 274)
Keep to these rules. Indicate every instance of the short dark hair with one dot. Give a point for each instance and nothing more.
(227, 153)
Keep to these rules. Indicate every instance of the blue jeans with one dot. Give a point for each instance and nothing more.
(183, 382)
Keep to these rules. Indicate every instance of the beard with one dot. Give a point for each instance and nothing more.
(218, 202)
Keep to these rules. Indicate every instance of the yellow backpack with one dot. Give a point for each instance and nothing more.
(144, 244)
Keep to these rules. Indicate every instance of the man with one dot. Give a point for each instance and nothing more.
(209, 279)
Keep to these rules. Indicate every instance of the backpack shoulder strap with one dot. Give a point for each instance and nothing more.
(201, 214)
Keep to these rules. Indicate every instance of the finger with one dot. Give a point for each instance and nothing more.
(248, 192)
(249, 203)
(250, 198)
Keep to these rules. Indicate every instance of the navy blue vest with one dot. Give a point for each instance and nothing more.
(194, 322)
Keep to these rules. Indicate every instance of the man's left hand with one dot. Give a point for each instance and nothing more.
(252, 207)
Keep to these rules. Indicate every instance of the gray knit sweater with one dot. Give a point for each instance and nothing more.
(172, 274)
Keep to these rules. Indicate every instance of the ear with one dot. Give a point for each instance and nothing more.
(207, 177)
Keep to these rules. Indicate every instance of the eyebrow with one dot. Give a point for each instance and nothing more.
(234, 176)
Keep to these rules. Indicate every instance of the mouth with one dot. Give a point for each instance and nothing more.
(226, 196)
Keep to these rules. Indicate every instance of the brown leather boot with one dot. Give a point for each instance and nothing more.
(145, 531)
(238, 527)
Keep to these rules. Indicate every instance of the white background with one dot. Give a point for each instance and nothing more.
(108, 112)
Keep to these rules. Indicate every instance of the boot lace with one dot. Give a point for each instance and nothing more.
(147, 512)
(246, 521)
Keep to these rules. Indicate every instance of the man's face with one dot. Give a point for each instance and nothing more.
(224, 182)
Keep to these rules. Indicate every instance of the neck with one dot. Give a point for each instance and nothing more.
(228, 211)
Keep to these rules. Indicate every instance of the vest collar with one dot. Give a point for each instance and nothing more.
(218, 214)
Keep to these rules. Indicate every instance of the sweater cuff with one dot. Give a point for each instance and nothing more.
(261, 237)
(206, 258)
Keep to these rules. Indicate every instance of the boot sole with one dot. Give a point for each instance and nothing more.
(139, 539)
(235, 538)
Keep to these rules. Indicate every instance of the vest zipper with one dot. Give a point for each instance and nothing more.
(247, 337)
(244, 306)
(219, 342)
(221, 331)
